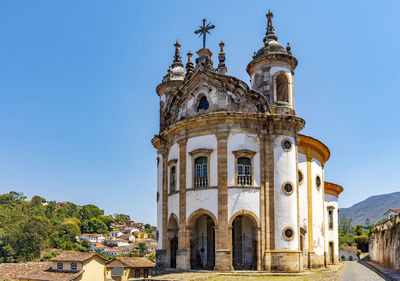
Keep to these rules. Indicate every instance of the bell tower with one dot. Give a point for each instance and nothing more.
(271, 72)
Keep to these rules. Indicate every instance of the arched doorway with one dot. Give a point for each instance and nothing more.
(202, 243)
(244, 243)
(172, 232)
(331, 253)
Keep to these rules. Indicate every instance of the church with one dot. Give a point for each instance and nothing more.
(238, 186)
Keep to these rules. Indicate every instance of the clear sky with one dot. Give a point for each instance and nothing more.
(78, 106)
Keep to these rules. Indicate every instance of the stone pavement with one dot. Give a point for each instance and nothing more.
(392, 275)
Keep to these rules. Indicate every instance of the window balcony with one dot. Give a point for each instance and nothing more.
(244, 180)
(200, 181)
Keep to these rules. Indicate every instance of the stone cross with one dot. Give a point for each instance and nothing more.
(203, 30)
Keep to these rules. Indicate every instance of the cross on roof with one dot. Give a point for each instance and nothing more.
(203, 30)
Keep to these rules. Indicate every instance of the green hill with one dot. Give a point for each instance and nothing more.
(372, 208)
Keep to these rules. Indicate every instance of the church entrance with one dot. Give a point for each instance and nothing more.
(202, 244)
(331, 260)
(244, 244)
(172, 231)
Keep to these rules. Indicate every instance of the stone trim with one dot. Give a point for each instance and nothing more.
(173, 193)
(246, 154)
(284, 148)
(284, 234)
(199, 153)
(245, 213)
(314, 148)
(196, 214)
(195, 188)
(332, 189)
(284, 190)
(172, 162)
(245, 188)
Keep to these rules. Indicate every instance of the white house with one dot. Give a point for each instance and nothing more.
(115, 251)
(348, 253)
(116, 233)
(118, 242)
(92, 237)
(392, 213)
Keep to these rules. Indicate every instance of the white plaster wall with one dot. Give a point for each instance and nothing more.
(317, 208)
(243, 199)
(173, 205)
(238, 140)
(208, 142)
(202, 199)
(331, 235)
(285, 205)
(303, 198)
(160, 200)
(174, 154)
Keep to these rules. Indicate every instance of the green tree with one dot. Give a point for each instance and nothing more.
(122, 218)
(88, 212)
(141, 248)
(108, 220)
(94, 225)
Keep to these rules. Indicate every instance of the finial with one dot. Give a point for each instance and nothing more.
(270, 28)
(177, 57)
(254, 55)
(288, 48)
(221, 45)
(203, 30)
(189, 65)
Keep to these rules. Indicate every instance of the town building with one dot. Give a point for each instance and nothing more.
(238, 186)
(392, 213)
(348, 253)
(129, 268)
(92, 237)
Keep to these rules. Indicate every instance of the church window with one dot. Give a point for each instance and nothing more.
(330, 218)
(318, 182)
(201, 171)
(244, 171)
(203, 104)
(172, 182)
(287, 187)
(282, 88)
(288, 233)
(301, 177)
(286, 145)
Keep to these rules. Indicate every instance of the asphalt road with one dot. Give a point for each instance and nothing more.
(354, 271)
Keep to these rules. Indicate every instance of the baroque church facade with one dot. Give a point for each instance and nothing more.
(239, 187)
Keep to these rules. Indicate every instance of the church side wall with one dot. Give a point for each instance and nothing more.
(173, 200)
(160, 199)
(243, 198)
(332, 235)
(285, 205)
(317, 210)
(303, 192)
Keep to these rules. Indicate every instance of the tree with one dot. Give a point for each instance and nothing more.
(346, 232)
(141, 248)
(37, 201)
(108, 220)
(88, 212)
(94, 225)
(122, 218)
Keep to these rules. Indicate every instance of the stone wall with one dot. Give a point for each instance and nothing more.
(385, 244)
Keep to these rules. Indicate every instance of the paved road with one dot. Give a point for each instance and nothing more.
(354, 271)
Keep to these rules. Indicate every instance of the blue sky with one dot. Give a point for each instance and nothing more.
(78, 106)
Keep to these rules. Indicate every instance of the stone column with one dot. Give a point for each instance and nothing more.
(269, 202)
(183, 253)
(261, 237)
(161, 254)
(223, 253)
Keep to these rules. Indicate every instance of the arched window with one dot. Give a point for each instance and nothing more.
(172, 179)
(244, 171)
(203, 104)
(282, 88)
(200, 171)
(330, 219)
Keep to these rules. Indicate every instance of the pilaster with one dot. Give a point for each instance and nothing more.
(261, 238)
(183, 253)
(223, 252)
(311, 254)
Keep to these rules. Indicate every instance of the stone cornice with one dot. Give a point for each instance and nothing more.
(313, 148)
(332, 189)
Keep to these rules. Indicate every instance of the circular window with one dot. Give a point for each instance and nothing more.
(288, 233)
(300, 175)
(286, 145)
(318, 182)
(287, 187)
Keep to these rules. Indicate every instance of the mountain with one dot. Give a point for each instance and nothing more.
(372, 208)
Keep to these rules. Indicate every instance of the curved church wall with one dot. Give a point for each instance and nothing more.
(303, 200)
(202, 199)
(159, 197)
(285, 205)
(243, 199)
(317, 207)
